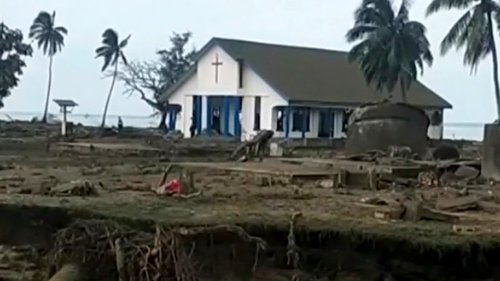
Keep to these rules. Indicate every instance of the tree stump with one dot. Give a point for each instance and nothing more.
(490, 166)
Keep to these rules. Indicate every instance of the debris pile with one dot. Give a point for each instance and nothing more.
(74, 188)
(440, 189)
(18, 263)
(136, 255)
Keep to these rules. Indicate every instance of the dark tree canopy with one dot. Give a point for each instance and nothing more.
(50, 38)
(473, 31)
(391, 49)
(176, 61)
(150, 79)
(12, 53)
(112, 49)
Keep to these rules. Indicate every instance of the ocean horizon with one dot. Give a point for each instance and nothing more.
(452, 130)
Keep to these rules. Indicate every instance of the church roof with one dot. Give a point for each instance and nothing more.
(309, 75)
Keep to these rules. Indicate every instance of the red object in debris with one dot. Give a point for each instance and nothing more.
(172, 187)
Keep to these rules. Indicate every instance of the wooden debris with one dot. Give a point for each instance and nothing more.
(292, 249)
(74, 188)
(136, 186)
(457, 204)
(413, 211)
(253, 147)
(373, 201)
(464, 228)
(392, 179)
(466, 172)
(393, 213)
(428, 178)
(69, 272)
(369, 156)
(164, 176)
(120, 260)
(489, 207)
(399, 151)
(326, 183)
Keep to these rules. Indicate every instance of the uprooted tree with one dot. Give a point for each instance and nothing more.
(12, 51)
(149, 79)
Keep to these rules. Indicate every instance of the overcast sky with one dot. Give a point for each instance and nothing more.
(318, 23)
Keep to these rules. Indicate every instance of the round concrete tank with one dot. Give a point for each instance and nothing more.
(378, 126)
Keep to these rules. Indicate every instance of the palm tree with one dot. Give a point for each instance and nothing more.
(392, 49)
(112, 52)
(474, 31)
(50, 39)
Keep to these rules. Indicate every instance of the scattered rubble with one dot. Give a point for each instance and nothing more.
(74, 188)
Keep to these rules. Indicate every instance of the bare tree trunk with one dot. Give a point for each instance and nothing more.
(47, 98)
(105, 113)
(163, 126)
(404, 99)
(495, 65)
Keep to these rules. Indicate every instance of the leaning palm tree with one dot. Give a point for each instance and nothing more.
(474, 31)
(50, 39)
(112, 52)
(391, 49)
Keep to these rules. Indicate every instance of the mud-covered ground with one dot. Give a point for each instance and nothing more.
(124, 173)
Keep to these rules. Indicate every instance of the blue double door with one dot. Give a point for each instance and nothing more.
(220, 112)
(326, 123)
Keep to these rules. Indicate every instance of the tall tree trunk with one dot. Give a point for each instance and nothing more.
(404, 99)
(163, 119)
(49, 86)
(105, 113)
(494, 56)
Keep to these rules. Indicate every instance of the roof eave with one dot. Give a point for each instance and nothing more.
(355, 104)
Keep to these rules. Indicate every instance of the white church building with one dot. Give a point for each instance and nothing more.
(239, 88)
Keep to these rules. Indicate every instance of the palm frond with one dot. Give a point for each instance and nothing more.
(110, 38)
(384, 7)
(61, 30)
(359, 32)
(438, 5)
(404, 11)
(392, 49)
(478, 44)
(112, 49)
(368, 15)
(123, 58)
(124, 42)
(459, 30)
(48, 37)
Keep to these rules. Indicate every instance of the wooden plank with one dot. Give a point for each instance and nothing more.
(339, 164)
(489, 207)
(457, 204)
(109, 146)
(233, 167)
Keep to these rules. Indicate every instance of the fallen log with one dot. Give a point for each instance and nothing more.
(457, 204)
(489, 207)
(415, 211)
(260, 139)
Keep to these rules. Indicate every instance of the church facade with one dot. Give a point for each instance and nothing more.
(239, 88)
